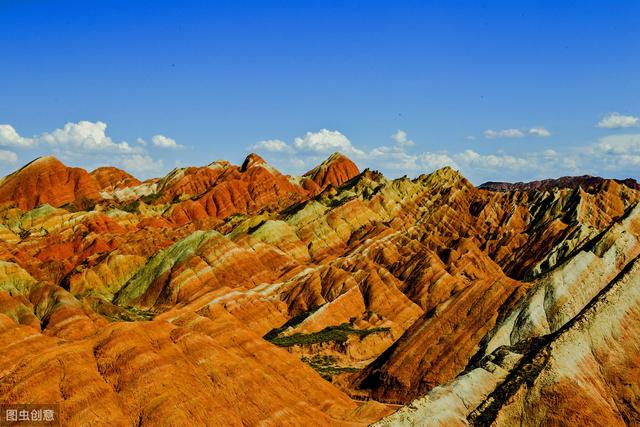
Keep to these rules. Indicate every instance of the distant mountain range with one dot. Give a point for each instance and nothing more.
(587, 182)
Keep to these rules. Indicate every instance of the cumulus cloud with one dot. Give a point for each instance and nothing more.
(609, 156)
(472, 159)
(539, 131)
(296, 163)
(87, 143)
(81, 137)
(400, 137)
(619, 144)
(326, 141)
(617, 121)
(617, 151)
(84, 136)
(504, 133)
(165, 142)
(142, 164)
(516, 133)
(271, 145)
(10, 138)
(437, 161)
(392, 158)
(8, 157)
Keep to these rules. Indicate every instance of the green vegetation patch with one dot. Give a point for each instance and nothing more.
(160, 263)
(294, 321)
(339, 334)
(326, 366)
(340, 199)
(114, 313)
(131, 207)
(151, 198)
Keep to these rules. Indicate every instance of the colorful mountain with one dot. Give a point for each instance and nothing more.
(237, 295)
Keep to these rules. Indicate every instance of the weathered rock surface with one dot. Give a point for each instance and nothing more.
(237, 295)
(567, 354)
(110, 178)
(47, 180)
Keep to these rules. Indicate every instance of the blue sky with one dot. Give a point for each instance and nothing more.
(500, 90)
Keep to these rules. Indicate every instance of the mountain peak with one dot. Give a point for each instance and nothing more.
(44, 161)
(448, 174)
(336, 156)
(48, 180)
(112, 178)
(335, 170)
(252, 160)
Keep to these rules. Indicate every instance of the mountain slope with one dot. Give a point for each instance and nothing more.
(47, 180)
(250, 296)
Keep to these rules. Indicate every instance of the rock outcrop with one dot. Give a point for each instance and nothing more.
(237, 295)
(47, 180)
(110, 178)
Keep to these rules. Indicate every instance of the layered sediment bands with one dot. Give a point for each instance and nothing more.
(111, 179)
(47, 180)
(422, 358)
(565, 355)
(334, 171)
(126, 375)
(249, 296)
(221, 189)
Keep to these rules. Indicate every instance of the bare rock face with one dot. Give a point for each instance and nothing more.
(256, 298)
(335, 171)
(564, 354)
(224, 190)
(110, 178)
(47, 180)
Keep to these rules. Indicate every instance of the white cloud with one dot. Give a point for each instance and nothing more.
(400, 137)
(539, 131)
(84, 136)
(271, 145)
(8, 157)
(617, 120)
(10, 138)
(617, 151)
(326, 141)
(87, 143)
(516, 133)
(470, 158)
(142, 163)
(393, 157)
(436, 161)
(296, 163)
(610, 156)
(504, 133)
(619, 144)
(165, 142)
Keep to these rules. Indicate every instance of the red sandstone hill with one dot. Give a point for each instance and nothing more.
(237, 295)
(334, 171)
(110, 178)
(47, 180)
